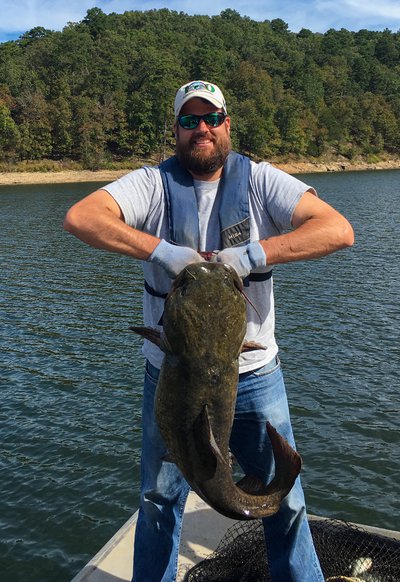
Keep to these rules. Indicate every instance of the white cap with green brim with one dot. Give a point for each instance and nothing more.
(201, 89)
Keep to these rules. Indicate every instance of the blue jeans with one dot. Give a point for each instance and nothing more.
(261, 398)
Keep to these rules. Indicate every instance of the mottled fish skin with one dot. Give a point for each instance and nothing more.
(204, 326)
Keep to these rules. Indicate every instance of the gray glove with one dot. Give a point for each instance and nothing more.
(173, 258)
(243, 259)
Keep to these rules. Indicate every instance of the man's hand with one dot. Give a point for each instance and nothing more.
(173, 258)
(243, 259)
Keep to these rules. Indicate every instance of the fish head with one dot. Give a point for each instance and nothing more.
(205, 308)
(205, 272)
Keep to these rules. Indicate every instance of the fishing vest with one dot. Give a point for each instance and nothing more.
(234, 217)
(233, 212)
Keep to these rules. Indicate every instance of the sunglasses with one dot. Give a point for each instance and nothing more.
(191, 121)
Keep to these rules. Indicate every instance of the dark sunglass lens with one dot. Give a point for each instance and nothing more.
(214, 119)
(189, 121)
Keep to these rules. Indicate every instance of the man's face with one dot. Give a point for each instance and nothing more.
(202, 150)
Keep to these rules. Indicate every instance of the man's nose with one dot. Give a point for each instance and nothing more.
(202, 125)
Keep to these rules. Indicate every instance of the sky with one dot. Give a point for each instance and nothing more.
(19, 16)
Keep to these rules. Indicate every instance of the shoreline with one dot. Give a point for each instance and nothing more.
(106, 176)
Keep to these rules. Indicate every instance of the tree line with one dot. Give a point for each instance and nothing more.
(102, 89)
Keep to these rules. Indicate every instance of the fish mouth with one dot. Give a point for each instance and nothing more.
(225, 273)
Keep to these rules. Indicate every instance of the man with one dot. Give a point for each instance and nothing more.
(209, 199)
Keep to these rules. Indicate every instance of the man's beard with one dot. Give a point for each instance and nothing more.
(200, 162)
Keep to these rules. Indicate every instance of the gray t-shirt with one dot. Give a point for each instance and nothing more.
(273, 196)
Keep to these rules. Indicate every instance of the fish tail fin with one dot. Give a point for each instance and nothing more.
(287, 462)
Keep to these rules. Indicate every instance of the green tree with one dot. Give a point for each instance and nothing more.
(61, 120)
(387, 49)
(103, 88)
(289, 121)
(96, 21)
(9, 133)
(89, 133)
(32, 114)
(252, 109)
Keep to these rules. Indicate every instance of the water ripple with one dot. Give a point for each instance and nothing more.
(71, 375)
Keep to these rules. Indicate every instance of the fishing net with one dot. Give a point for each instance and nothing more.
(346, 553)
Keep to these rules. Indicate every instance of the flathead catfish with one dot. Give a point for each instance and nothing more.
(204, 326)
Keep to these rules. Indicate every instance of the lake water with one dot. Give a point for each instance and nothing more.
(71, 374)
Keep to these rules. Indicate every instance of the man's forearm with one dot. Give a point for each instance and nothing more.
(315, 238)
(101, 226)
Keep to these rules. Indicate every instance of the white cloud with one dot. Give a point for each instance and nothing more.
(390, 10)
(22, 15)
(356, 14)
(18, 16)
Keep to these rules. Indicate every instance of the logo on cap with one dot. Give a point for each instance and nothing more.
(199, 86)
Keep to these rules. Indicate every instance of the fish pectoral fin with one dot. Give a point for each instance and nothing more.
(155, 336)
(250, 345)
(252, 485)
(207, 448)
(149, 333)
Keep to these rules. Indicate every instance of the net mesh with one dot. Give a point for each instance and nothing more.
(346, 552)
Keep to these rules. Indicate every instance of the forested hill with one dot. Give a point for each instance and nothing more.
(102, 89)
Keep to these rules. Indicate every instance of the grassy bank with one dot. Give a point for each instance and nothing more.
(50, 171)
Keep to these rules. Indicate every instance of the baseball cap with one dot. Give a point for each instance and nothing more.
(201, 89)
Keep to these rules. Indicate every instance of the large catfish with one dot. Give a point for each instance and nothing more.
(204, 326)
